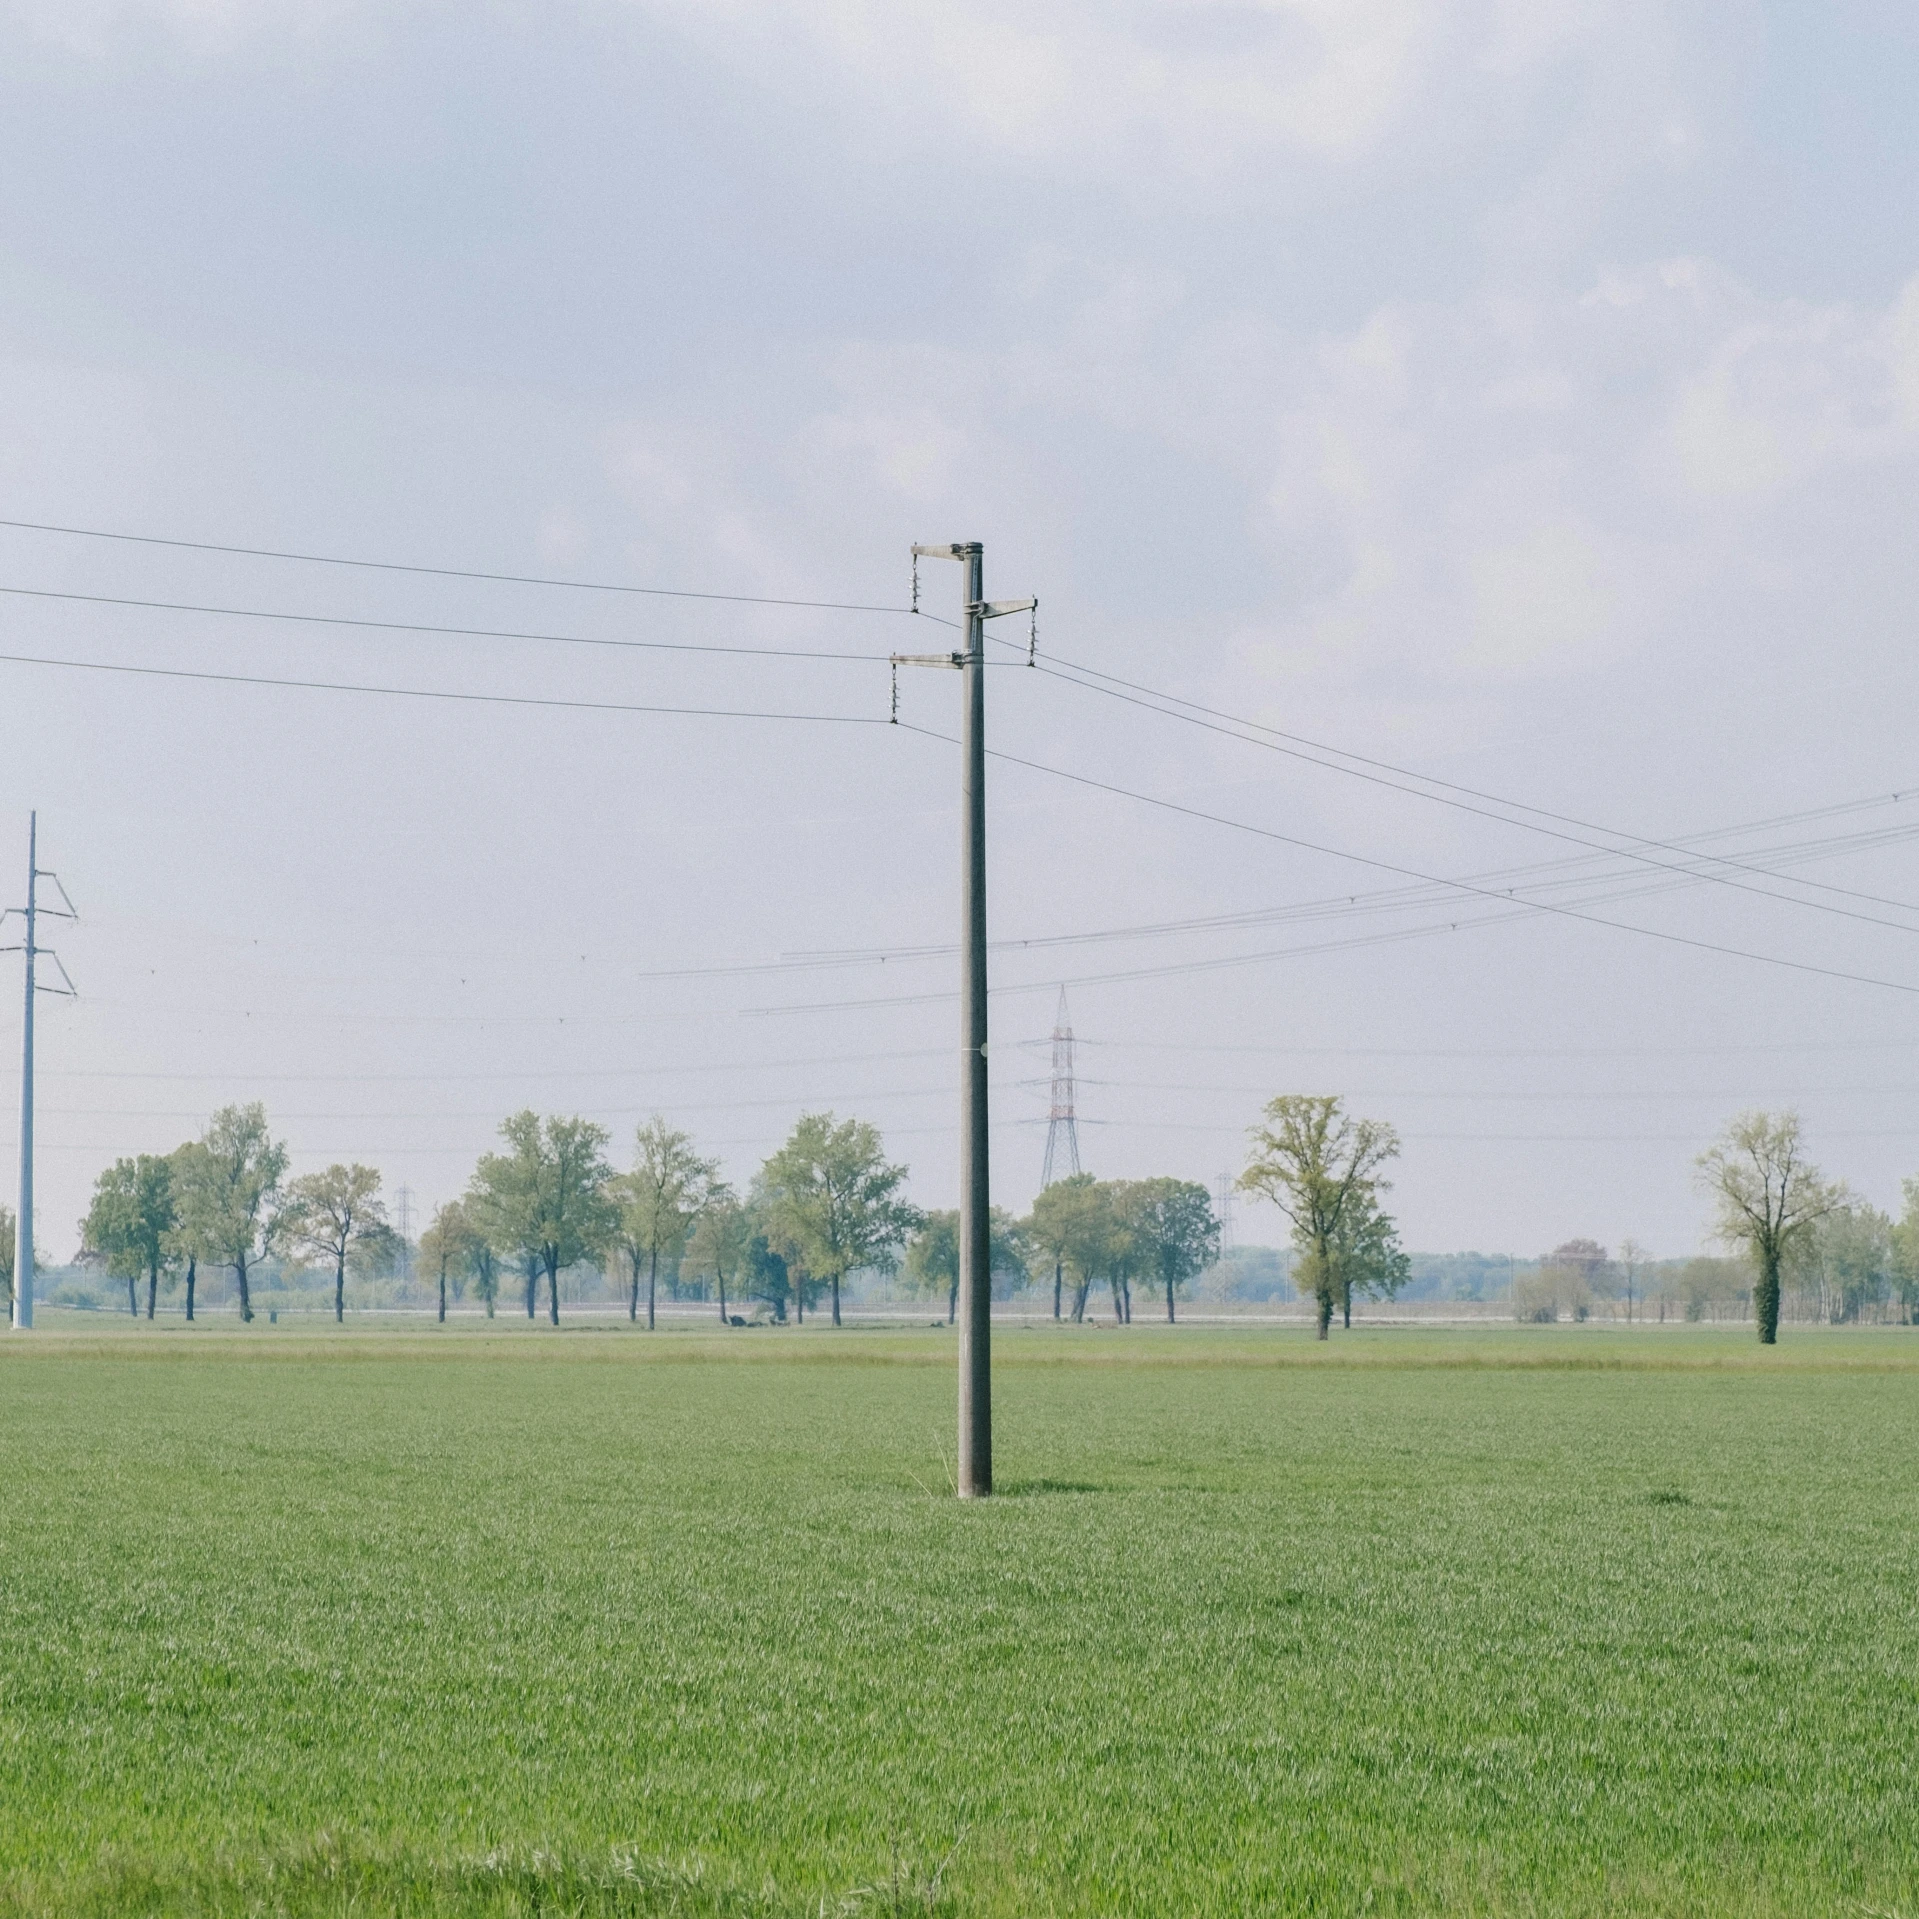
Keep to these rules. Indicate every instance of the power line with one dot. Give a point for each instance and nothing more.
(447, 572)
(1430, 879)
(435, 631)
(1211, 725)
(440, 693)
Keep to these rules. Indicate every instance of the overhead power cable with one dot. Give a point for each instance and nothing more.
(433, 631)
(1413, 873)
(1292, 746)
(439, 693)
(448, 572)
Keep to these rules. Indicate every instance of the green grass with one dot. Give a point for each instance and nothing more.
(504, 1622)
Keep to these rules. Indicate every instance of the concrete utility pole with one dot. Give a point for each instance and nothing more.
(975, 1473)
(32, 949)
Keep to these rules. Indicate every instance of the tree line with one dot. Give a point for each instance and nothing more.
(826, 1205)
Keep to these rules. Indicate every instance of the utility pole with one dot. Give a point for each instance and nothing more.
(975, 1466)
(32, 949)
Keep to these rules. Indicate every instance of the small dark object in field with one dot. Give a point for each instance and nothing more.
(736, 1320)
(1665, 1497)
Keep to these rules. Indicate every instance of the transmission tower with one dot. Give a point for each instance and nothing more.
(1226, 1190)
(1062, 1128)
(403, 1209)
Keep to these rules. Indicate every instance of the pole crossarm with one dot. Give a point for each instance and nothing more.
(998, 609)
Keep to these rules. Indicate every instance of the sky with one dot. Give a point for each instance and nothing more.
(1498, 424)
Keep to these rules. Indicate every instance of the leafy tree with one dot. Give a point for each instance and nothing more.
(227, 1192)
(1074, 1226)
(548, 1198)
(830, 1190)
(1366, 1255)
(1768, 1197)
(129, 1224)
(933, 1263)
(721, 1239)
(1632, 1257)
(187, 1241)
(1317, 1164)
(1051, 1226)
(1846, 1263)
(338, 1216)
(766, 1276)
(1905, 1252)
(454, 1251)
(1172, 1229)
(658, 1203)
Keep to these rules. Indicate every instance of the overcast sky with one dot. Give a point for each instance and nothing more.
(1522, 396)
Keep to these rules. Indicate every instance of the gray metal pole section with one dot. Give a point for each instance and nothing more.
(23, 1223)
(976, 1218)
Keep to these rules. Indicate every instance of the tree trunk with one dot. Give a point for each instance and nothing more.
(1765, 1298)
(339, 1289)
(532, 1290)
(719, 1280)
(1126, 1298)
(1080, 1289)
(652, 1288)
(192, 1273)
(153, 1285)
(246, 1298)
(1325, 1299)
(442, 1292)
(1346, 1308)
(1169, 1302)
(1119, 1305)
(553, 1290)
(952, 1302)
(836, 1299)
(633, 1297)
(133, 1294)
(1059, 1274)
(799, 1297)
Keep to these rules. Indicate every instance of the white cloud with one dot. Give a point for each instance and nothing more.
(1094, 84)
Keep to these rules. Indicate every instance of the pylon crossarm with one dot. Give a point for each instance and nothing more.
(69, 990)
(998, 609)
(72, 912)
(927, 659)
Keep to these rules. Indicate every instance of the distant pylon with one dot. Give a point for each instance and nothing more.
(1225, 1213)
(1062, 1129)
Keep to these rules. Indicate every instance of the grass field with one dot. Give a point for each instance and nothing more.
(1508, 1621)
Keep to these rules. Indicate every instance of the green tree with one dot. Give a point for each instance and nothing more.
(658, 1202)
(187, 1241)
(1317, 1164)
(932, 1262)
(129, 1225)
(1173, 1232)
(1768, 1197)
(1632, 1258)
(1846, 1263)
(337, 1216)
(766, 1276)
(227, 1192)
(548, 1198)
(830, 1190)
(1367, 1259)
(454, 1252)
(1073, 1227)
(721, 1240)
(1905, 1252)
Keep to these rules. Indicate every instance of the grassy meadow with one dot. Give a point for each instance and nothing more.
(499, 1620)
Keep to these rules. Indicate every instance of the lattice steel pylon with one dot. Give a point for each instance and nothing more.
(1062, 1128)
